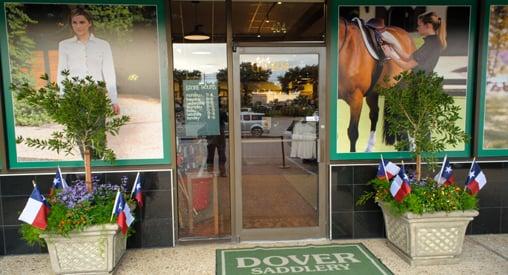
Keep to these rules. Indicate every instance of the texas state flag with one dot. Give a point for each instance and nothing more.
(387, 169)
(36, 210)
(476, 179)
(400, 186)
(445, 175)
(123, 214)
(136, 191)
(59, 181)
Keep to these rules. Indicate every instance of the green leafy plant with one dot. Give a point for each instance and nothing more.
(425, 197)
(419, 108)
(85, 112)
(74, 209)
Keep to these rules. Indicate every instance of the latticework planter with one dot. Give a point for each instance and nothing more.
(95, 250)
(427, 239)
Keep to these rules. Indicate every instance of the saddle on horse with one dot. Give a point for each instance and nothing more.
(372, 34)
(377, 24)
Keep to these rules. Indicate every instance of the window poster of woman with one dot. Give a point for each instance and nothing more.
(119, 44)
(389, 40)
(495, 125)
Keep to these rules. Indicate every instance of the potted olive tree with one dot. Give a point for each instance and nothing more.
(429, 224)
(80, 234)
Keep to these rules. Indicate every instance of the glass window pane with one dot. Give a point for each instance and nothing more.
(201, 112)
(279, 146)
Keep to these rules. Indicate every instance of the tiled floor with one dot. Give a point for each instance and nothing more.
(482, 254)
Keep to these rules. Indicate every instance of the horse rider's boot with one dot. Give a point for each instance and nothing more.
(371, 142)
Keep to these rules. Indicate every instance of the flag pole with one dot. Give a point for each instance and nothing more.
(442, 168)
(63, 181)
(384, 168)
(114, 205)
(472, 163)
(134, 186)
(33, 182)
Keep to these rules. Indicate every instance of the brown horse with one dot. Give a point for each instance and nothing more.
(356, 67)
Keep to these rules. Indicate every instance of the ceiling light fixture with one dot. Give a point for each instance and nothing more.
(196, 34)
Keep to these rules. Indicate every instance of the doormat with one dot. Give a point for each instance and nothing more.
(310, 259)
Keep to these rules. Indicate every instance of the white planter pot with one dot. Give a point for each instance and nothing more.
(427, 239)
(95, 250)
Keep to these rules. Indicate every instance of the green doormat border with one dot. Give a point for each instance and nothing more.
(315, 259)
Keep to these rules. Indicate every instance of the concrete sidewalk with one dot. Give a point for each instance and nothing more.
(482, 254)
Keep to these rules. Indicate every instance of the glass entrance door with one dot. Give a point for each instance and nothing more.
(277, 96)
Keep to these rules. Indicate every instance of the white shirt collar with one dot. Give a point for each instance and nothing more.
(91, 38)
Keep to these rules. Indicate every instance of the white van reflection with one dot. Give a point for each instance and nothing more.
(254, 123)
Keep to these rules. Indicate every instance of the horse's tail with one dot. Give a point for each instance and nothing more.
(388, 138)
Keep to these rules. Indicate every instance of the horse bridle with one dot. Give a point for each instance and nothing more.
(345, 33)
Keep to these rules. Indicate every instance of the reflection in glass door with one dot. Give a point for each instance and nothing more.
(278, 147)
(201, 119)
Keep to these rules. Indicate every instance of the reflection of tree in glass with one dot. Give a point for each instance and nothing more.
(20, 57)
(222, 79)
(300, 106)
(498, 37)
(222, 75)
(250, 72)
(294, 79)
(181, 75)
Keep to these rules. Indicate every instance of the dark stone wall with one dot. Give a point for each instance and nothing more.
(153, 225)
(351, 222)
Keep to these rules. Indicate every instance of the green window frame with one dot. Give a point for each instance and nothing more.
(13, 163)
(332, 30)
(481, 150)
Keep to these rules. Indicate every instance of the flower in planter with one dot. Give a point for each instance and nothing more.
(74, 208)
(75, 194)
(425, 195)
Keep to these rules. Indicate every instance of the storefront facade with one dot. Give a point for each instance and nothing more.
(242, 122)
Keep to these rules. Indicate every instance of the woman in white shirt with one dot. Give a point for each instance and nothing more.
(86, 55)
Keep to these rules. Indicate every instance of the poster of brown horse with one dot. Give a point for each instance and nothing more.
(361, 67)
